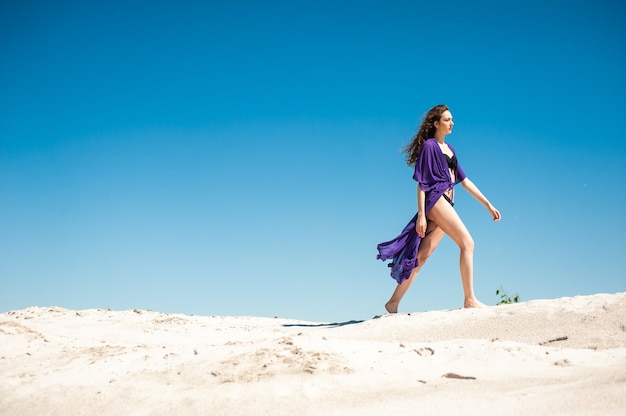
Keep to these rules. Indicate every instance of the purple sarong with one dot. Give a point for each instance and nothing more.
(403, 251)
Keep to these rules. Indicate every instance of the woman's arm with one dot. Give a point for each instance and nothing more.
(420, 224)
(475, 192)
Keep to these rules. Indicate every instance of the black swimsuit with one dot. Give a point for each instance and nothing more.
(452, 165)
(451, 161)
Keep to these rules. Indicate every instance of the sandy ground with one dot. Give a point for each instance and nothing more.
(546, 357)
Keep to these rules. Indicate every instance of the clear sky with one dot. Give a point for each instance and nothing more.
(244, 157)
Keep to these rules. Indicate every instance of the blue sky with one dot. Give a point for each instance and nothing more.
(243, 158)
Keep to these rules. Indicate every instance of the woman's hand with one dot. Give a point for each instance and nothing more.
(420, 225)
(494, 212)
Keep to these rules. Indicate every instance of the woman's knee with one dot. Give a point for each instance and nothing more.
(466, 243)
(422, 257)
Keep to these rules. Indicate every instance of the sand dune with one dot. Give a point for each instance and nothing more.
(547, 357)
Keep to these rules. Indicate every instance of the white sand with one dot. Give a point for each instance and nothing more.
(548, 357)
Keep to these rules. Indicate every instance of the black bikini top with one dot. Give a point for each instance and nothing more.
(451, 161)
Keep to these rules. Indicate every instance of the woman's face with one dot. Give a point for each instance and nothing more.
(444, 125)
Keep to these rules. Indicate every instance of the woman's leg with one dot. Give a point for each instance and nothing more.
(449, 221)
(428, 244)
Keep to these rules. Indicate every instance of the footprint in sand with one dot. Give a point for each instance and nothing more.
(281, 357)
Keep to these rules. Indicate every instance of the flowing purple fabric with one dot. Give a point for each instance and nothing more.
(433, 177)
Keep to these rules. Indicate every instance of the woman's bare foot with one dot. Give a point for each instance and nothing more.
(474, 303)
(391, 307)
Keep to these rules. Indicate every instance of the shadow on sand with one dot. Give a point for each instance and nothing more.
(328, 325)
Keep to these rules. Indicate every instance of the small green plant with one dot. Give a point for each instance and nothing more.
(506, 299)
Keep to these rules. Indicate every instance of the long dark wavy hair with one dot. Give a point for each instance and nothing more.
(425, 132)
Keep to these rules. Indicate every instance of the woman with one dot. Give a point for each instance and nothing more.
(436, 171)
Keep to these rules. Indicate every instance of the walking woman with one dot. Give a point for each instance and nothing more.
(437, 170)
